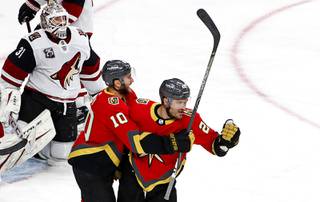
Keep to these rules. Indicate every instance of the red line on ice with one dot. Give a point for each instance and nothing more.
(244, 77)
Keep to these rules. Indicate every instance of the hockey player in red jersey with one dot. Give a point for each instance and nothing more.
(152, 172)
(109, 132)
(56, 58)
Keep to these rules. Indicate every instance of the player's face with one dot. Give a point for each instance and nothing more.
(128, 80)
(177, 108)
(124, 86)
(59, 21)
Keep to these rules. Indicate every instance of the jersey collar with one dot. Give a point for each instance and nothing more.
(155, 116)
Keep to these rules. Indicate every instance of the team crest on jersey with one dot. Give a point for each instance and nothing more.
(151, 157)
(113, 100)
(34, 36)
(67, 71)
(187, 112)
(142, 101)
(49, 53)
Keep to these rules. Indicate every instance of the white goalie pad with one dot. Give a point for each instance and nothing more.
(38, 134)
(10, 101)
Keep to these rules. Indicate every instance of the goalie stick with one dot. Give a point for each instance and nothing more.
(28, 26)
(20, 144)
(206, 19)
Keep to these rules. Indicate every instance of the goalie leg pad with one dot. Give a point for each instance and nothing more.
(38, 133)
(56, 153)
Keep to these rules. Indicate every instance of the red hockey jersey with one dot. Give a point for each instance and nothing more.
(108, 128)
(152, 170)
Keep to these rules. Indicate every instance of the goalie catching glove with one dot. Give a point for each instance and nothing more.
(228, 139)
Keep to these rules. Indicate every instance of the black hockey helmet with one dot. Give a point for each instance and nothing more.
(174, 88)
(115, 70)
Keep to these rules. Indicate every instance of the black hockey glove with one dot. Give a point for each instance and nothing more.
(182, 141)
(27, 11)
(229, 138)
(159, 144)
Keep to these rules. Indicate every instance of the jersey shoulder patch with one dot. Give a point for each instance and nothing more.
(188, 112)
(81, 33)
(34, 36)
(113, 100)
(142, 101)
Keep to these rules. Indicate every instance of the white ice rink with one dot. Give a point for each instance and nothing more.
(264, 76)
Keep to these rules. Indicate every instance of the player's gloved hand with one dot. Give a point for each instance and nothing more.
(27, 11)
(229, 138)
(182, 141)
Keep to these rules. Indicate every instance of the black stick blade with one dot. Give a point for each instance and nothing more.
(206, 19)
(14, 148)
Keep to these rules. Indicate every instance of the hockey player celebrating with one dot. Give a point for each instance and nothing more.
(152, 172)
(98, 150)
(57, 58)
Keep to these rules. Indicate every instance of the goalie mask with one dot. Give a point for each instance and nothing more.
(54, 19)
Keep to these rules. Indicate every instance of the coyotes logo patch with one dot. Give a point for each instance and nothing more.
(67, 71)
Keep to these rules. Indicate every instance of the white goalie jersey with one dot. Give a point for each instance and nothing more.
(55, 69)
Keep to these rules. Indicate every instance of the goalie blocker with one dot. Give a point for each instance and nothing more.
(37, 134)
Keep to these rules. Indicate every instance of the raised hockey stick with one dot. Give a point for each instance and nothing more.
(206, 19)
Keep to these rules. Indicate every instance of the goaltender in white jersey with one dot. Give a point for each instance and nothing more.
(58, 58)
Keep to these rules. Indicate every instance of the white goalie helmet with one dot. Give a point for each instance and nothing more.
(54, 19)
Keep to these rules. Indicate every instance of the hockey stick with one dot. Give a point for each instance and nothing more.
(28, 26)
(41, 124)
(206, 19)
(20, 144)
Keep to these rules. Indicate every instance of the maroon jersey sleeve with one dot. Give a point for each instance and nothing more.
(74, 8)
(19, 64)
(90, 75)
(204, 135)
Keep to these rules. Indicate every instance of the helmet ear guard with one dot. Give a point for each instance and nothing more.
(54, 19)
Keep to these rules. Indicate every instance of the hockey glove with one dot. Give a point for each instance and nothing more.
(182, 141)
(27, 11)
(230, 134)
